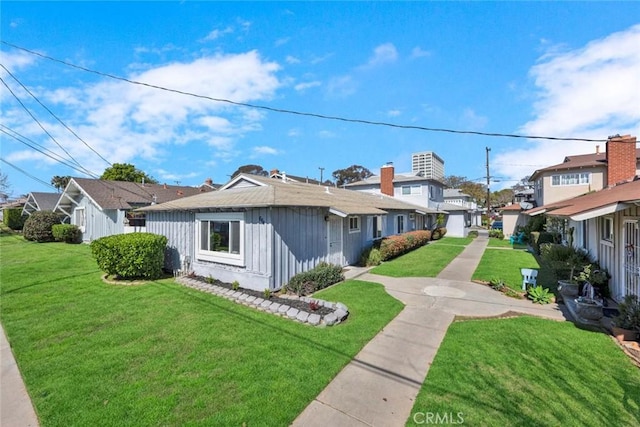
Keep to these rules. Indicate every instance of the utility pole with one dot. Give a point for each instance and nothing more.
(488, 190)
(321, 170)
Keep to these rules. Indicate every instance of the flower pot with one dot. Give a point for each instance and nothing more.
(624, 334)
(589, 309)
(568, 289)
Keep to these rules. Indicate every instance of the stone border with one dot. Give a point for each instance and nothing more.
(339, 314)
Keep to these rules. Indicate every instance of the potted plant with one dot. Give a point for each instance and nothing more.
(626, 325)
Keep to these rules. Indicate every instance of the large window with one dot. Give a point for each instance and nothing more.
(408, 190)
(221, 237)
(571, 179)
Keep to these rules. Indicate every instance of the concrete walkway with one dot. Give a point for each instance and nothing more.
(379, 386)
(16, 409)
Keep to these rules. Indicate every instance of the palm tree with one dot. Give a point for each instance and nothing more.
(60, 182)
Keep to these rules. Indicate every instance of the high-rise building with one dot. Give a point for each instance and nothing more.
(429, 164)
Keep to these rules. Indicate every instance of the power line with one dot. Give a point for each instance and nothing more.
(300, 113)
(54, 116)
(27, 173)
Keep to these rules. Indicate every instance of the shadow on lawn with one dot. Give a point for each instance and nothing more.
(197, 295)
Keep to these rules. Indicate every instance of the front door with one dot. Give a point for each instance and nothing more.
(631, 260)
(334, 239)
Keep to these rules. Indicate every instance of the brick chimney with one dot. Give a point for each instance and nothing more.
(386, 179)
(621, 159)
(274, 172)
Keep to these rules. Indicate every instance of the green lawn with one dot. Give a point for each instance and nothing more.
(505, 243)
(505, 265)
(426, 261)
(163, 354)
(529, 372)
(464, 241)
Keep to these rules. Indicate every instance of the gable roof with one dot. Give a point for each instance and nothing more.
(594, 204)
(124, 195)
(580, 161)
(37, 201)
(247, 191)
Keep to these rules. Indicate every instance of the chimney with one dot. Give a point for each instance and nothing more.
(597, 149)
(621, 159)
(209, 182)
(386, 179)
(274, 172)
(164, 185)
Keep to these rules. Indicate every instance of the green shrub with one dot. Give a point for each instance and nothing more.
(320, 277)
(13, 218)
(396, 245)
(539, 295)
(538, 238)
(130, 256)
(496, 234)
(370, 257)
(67, 233)
(438, 233)
(473, 234)
(39, 226)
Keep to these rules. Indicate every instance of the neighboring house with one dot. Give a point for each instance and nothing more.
(576, 175)
(606, 222)
(11, 204)
(40, 202)
(275, 173)
(102, 208)
(419, 190)
(513, 217)
(472, 214)
(262, 231)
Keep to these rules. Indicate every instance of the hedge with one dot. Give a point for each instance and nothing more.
(390, 247)
(438, 233)
(130, 256)
(537, 238)
(67, 233)
(39, 226)
(320, 277)
(12, 218)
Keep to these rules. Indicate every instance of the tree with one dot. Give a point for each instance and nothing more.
(126, 172)
(60, 182)
(351, 174)
(523, 184)
(477, 191)
(502, 197)
(454, 181)
(250, 170)
(4, 186)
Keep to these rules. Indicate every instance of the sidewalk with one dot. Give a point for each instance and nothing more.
(16, 409)
(378, 387)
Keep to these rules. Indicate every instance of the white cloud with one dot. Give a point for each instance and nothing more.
(282, 41)
(294, 133)
(15, 60)
(394, 113)
(170, 176)
(418, 52)
(326, 134)
(589, 92)
(341, 86)
(301, 87)
(473, 121)
(217, 33)
(292, 60)
(318, 59)
(384, 54)
(124, 122)
(263, 149)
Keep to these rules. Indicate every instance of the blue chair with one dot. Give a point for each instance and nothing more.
(517, 239)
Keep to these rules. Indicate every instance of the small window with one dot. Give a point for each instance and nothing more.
(354, 224)
(607, 229)
(79, 218)
(408, 190)
(376, 227)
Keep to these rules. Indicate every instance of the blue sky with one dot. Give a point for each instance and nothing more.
(563, 69)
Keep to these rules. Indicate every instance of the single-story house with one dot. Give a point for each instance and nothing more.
(102, 208)
(607, 222)
(262, 231)
(513, 217)
(40, 202)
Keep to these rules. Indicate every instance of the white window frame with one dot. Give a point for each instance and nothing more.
(83, 223)
(376, 226)
(606, 229)
(411, 190)
(354, 224)
(220, 257)
(569, 179)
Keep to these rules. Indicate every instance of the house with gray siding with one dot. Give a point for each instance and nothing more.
(102, 208)
(37, 201)
(262, 231)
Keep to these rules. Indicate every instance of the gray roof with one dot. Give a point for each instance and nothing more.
(246, 191)
(397, 178)
(454, 192)
(44, 201)
(127, 195)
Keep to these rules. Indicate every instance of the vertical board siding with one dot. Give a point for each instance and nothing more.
(98, 223)
(179, 229)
